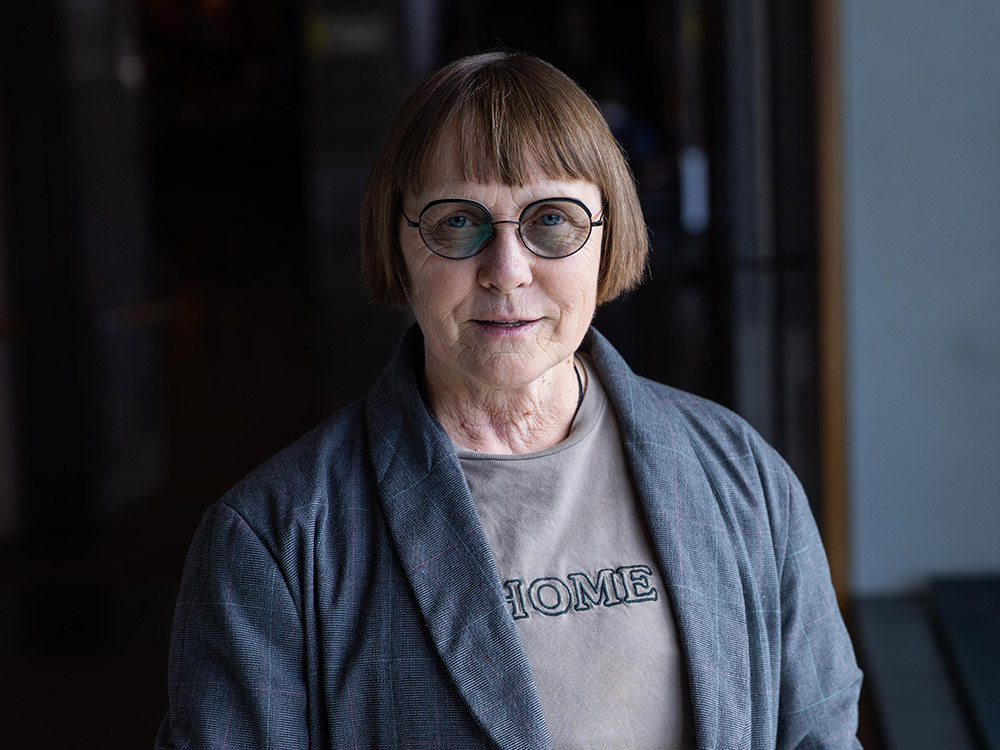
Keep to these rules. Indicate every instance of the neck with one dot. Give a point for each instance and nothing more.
(507, 420)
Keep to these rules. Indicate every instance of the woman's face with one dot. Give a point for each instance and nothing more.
(504, 318)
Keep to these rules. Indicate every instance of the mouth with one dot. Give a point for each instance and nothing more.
(505, 326)
(505, 323)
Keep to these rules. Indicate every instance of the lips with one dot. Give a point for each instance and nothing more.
(505, 323)
(505, 326)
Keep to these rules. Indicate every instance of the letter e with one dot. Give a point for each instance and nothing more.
(637, 585)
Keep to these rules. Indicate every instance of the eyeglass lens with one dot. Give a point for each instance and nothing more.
(551, 228)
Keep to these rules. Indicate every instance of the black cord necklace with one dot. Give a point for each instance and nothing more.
(579, 385)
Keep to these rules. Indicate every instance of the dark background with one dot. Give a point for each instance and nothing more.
(179, 297)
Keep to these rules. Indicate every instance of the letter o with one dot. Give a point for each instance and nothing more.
(563, 596)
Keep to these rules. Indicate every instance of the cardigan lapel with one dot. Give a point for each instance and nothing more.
(436, 530)
(687, 534)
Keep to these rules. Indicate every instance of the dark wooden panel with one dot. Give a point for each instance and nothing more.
(907, 676)
(968, 612)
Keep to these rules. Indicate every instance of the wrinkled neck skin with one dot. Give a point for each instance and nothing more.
(487, 419)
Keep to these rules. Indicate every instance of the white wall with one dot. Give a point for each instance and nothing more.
(921, 96)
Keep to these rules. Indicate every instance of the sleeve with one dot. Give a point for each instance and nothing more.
(236, 671)
(820, 679)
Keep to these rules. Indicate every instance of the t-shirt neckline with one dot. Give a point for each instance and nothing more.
(586, 419)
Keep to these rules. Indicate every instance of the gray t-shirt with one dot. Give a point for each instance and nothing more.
(584, 587)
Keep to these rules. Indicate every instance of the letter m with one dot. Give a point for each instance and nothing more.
(587, 593)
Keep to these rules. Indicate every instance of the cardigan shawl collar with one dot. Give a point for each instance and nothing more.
(435, 527)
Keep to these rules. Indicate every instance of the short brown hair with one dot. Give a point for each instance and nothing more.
(514, 115)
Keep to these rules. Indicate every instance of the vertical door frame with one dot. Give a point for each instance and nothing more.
(834, 468)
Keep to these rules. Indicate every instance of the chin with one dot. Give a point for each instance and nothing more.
(511, 371)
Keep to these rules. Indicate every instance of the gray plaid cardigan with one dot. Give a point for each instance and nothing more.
(344, 594)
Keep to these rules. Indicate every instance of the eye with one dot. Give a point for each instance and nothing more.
(457, 222)
(554, 214)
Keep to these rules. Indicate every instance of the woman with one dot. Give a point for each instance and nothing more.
(513, 541)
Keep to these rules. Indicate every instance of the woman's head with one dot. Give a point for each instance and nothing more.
(514, 119)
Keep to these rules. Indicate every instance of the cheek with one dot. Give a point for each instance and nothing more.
(437, 291)
(418, 276)
(575, 295)
(581, 289)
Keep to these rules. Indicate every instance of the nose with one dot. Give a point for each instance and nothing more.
(506, 263)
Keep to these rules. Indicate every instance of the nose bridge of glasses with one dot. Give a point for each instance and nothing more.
(516, 233)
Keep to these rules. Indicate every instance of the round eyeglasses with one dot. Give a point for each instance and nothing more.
(550, 228)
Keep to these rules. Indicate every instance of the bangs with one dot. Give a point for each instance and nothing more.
(512, 128)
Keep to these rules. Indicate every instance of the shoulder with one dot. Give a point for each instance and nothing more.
(301, 514)
(322, 488)
(719, 440)
(712, 431)
(722, 462)
(306, 481)
(652, 411)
